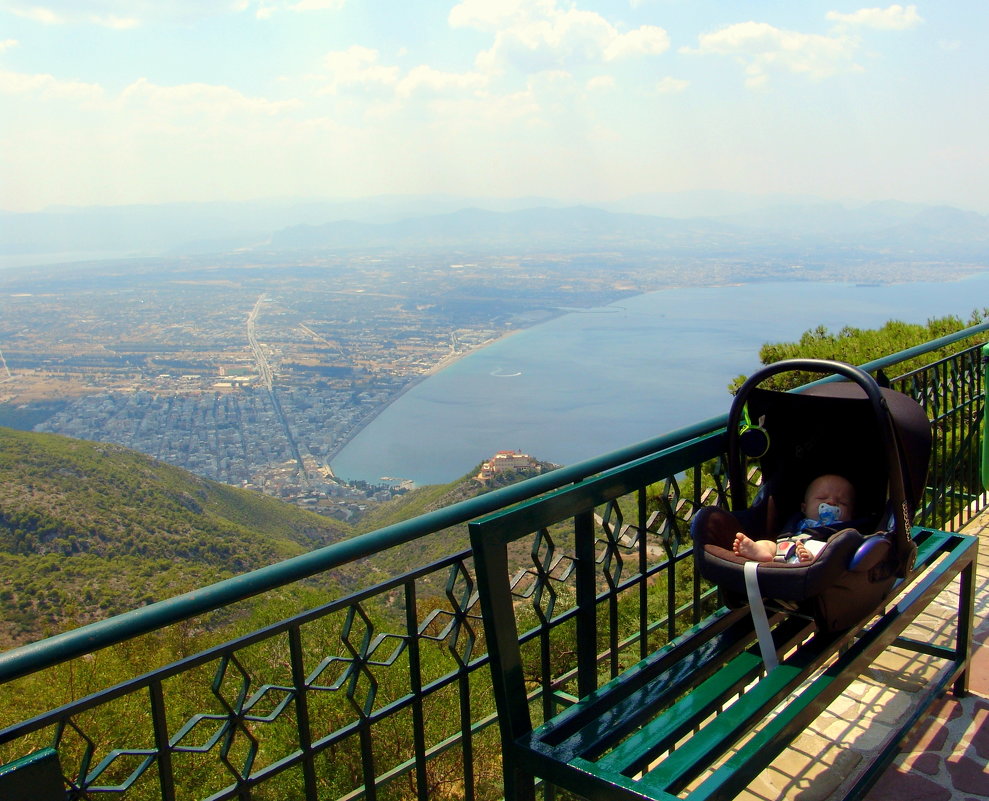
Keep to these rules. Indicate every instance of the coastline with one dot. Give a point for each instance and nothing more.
(452, 358)
(444, 362)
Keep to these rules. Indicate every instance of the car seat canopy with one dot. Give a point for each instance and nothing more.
(831, 428)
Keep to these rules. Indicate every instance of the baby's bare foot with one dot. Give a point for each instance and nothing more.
(803, 554)
(745, 546)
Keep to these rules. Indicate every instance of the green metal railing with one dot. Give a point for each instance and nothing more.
(383, 692)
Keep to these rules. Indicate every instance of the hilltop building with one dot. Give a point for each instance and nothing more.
(505, 461)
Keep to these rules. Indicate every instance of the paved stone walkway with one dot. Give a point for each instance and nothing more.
(944, 759)
(947, 755)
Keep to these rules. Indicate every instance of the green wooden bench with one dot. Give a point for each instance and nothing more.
(35, 777)
(697, 714)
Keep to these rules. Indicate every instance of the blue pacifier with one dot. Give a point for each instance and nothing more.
(828, 514)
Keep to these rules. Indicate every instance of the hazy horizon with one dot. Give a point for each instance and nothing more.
(117, 102)
(686, 204)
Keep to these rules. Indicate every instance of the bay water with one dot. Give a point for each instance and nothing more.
(592, 381)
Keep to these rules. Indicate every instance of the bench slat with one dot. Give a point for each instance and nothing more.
(617, 708)
(662, 732)
(719, 734)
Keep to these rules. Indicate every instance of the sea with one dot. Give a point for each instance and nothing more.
(595, 380)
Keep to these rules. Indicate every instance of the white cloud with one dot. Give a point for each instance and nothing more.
(47, 87)
(552, 81)
(671, 85)
(762, 48)
(486, 115)
(144, 143)
(199, 101)
(647, 40)
(491, 15)
(534, 36)
(121, 14)
(426, 79)
(37, 13)
(116, 23)
(357, 66)
(268, 8)
(6, 44)
(893, 18)
(125, 14)
(317, 5)
(182, 101)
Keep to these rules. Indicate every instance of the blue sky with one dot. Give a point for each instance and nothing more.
(106, 102)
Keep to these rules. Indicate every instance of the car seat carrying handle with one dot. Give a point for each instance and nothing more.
(884, 421)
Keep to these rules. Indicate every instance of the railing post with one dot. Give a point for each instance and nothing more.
(985, 416)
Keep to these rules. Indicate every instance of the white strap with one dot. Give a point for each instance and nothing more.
(759, 619)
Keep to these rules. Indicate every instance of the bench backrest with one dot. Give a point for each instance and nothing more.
(35, 777)
(572, 508)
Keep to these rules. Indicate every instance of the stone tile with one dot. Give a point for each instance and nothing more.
(969, 776)
(895, 785)
(946, 755)
(864, 707)
(844, 706)
(863, 735)
(947, 708)
(978, 671)
(935, 616)
(811, 769)
(976, 737)
(929, 735)
(909, 682)
(927, 762)
(906, 670)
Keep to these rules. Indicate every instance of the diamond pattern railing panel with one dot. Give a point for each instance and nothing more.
(951, 390)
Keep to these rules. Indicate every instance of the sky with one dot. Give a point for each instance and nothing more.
(110, 102)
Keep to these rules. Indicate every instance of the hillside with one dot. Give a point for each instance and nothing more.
(89, 529)
(423, 500)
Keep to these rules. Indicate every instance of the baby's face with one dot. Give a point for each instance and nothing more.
(829, 489)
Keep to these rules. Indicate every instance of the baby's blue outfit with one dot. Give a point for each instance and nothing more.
(827, 516)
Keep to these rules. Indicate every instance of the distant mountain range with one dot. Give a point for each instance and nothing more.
(684, 222)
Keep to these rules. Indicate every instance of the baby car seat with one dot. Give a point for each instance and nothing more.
(878, 439)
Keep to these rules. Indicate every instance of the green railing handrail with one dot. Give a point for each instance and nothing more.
(926, 347)
(27, 659)
(910, 353)
(30, 658)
